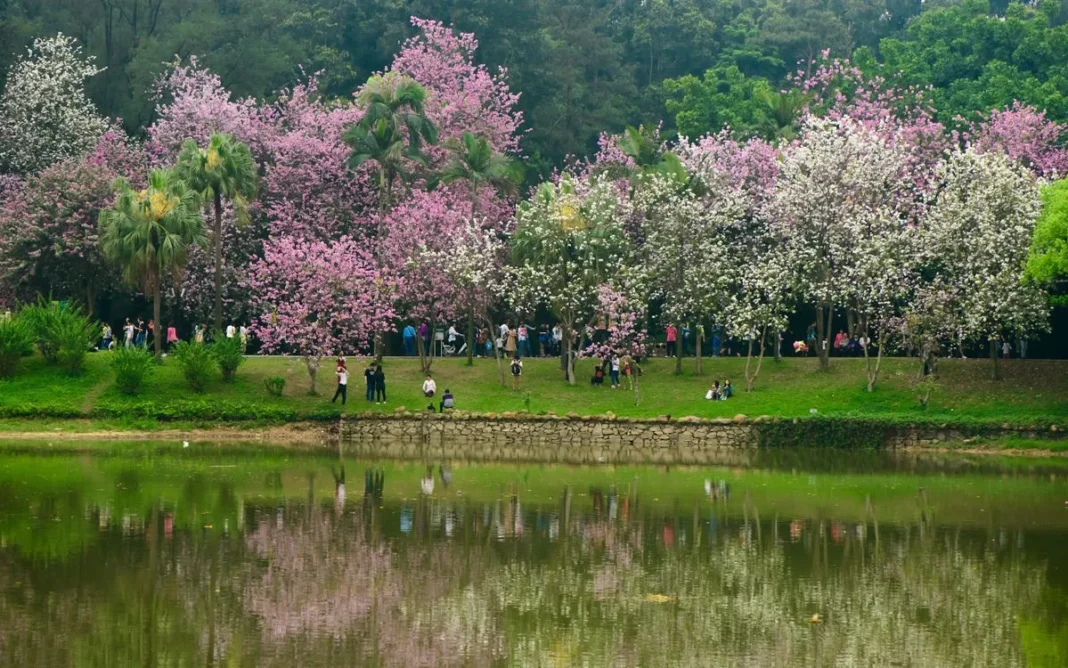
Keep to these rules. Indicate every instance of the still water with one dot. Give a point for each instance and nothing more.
(146, 555)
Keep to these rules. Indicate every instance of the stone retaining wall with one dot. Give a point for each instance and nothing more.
(583, 440)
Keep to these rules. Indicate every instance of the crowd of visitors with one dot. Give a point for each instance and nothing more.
(137, 333)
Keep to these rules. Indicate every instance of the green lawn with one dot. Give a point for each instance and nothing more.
(1032, 391)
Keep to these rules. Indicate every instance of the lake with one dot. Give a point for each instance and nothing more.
(158, 555)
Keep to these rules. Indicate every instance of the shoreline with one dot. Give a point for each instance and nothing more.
(310, 435)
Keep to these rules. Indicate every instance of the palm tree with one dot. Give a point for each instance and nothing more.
(783, 110)
(392, 130)
(149, 233)
(224, 170)
(472, 159)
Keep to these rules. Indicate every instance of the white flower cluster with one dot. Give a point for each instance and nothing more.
(45, 114)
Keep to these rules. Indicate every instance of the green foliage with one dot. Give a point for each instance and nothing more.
(16, 341)
(131, 365)
(74, 334)
(43, 318)
(63, 334)
(1048, 263)
(229, 354)
(724, 97)
(275, 385)
(196, 362)
(821, 432)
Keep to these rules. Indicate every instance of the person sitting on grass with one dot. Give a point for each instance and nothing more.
(713, 392)
(728, 391)
(429, 386)
(447, 402)
(598, 376)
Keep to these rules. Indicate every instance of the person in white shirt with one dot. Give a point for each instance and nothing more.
(128, 332)
(429, 386)
(453, 333)
(243, 333)
(342, 382)
(230, 331)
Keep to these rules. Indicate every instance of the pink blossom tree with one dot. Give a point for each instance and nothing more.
(316, 299)
(1026, 135)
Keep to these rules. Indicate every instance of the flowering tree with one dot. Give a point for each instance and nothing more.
(623, 308)
(569, 240)
(1024, 134)
(45, 115)
(686, 248)
(416, 232)
(978, 236)
(840, 185)
(464, 97)
(317, 299)
(474, 263)
(49, 237)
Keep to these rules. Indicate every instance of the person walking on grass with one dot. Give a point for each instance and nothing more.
(128, 333)
(517, 371)
(628, 372)
(369, 376)
(380, 385)
(613, 371)
(342, 382)
(105, 337)
(172, 336)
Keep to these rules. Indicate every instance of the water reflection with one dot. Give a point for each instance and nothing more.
(115, 562)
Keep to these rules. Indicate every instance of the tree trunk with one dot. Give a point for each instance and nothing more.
(312, 364)
(699, 368)
(569, 362)
(156, 343)
(777, 341)
(90, 298)
(823, 325)
(873, 373)
(750, 380)
(470, 337)
(218, 263)
(678, 352)
(996, 371)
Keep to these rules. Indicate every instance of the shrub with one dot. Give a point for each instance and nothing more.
(275, 385)
(43, 318)
(74, 335)
(16, 341)
(196, 362)
(229, 354)
(131, 366)
(62, 335)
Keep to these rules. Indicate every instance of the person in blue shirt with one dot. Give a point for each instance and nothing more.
(409, 340)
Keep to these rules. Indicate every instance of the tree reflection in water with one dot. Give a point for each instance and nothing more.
(594, 578)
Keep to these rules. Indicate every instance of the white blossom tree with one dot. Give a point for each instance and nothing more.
(686, 248)
(569, 240)
(977, 239)
(842, 186)
(474, 263)
(45, 115)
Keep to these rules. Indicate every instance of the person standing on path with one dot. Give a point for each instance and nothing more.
(172, 336)
(424, 337)
(128, 333)
(517, 371)
(369, 376)
(380, 385)
(342, 382)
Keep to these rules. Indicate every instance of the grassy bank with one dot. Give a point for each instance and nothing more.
(1032, 392)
